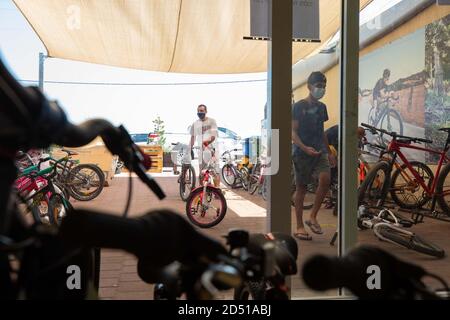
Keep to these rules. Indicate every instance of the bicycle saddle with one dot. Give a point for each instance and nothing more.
(69, 152)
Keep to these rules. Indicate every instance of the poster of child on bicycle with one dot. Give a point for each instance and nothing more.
(404, 86)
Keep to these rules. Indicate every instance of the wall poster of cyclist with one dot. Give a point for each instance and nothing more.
(404, 86)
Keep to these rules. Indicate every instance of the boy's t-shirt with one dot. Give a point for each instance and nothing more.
(311, 118)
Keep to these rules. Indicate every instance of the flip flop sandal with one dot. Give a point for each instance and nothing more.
(314, 227)
(303, 236)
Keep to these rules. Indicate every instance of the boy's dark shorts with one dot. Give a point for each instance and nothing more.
(307, 167)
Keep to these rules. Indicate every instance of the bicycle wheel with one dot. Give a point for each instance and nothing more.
(228, 175)
(209, 214)
(253, 184)
(86, 182)
(406, 191)
(250, 290)
(374, 188)
(58, 208)
(413, 242)
(244, 177)
(264, 190)
(39, 210)
(443, 189)
(371, 117)
(391, 121)
(62, 188)
(187, 182)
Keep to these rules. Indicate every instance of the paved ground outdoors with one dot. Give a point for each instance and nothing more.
(119, 279)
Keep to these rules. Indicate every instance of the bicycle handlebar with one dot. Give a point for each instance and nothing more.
(394, 134)
(399, 279)
(250, 257)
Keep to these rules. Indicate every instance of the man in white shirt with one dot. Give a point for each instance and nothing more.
(204, 130)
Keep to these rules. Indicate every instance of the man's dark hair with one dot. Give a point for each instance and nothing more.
(202, 105)
(317, 77)
(386, 73)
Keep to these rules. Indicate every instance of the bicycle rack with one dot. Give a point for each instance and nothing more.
(417, 215)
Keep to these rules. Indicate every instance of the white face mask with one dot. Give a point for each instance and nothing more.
(318, 93)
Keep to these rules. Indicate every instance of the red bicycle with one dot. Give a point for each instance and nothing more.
(413, 184)
(206, 205)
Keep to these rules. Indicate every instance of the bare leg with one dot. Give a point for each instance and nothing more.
(324, 186)
(299, 199)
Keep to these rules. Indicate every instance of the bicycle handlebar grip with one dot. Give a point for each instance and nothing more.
(368, 126)
(425, 140)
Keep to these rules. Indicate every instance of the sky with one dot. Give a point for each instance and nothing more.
(237, 106)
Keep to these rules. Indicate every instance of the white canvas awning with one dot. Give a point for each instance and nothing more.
(188, 36)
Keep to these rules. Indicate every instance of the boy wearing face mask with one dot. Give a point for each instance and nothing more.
(311, 152)
(205, 131)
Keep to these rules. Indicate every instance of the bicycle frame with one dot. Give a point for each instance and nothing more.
(206, 179)
(395, 147)
(363, 164)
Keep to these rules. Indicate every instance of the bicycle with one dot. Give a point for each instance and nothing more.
(187, 177)
(206, 196)
(36, 187)
(400, 172)
(234, 176)
(386, 116)
(388, 227)
(84, 181)
(363, 164)
(434, 190)
(257, 180)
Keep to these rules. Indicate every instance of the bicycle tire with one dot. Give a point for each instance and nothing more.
(395, 114)
(440, 189)
(182, 185)
(382, 191)
(230, 183)
(63, 188)
(36, 213)
(250, 289)
(214, 191)
(254, 183)
(80, 196)
(415, 242)
(397, 174)
(244, 177)
(54, 204)
(264, 190)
